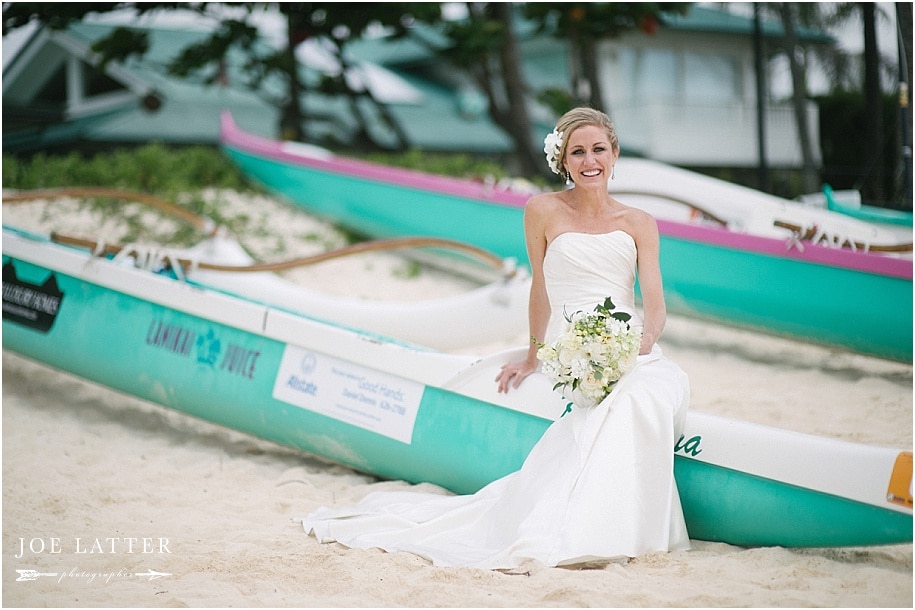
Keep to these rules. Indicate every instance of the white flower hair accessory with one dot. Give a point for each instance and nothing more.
(552, 144)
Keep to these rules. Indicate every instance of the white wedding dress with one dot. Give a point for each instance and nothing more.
(598, 485)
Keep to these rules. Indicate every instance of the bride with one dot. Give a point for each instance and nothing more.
(599, 484)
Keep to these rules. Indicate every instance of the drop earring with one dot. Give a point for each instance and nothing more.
(612, 172)
(568, 178)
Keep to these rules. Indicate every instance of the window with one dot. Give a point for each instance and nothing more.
(655, 75)
(710, 78)
(668, 76)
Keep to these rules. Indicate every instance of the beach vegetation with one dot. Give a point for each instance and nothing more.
(168, 171)
(188, 177)
(459, 165)
(151, 168)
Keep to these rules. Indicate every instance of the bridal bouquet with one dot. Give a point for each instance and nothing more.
(592, 354)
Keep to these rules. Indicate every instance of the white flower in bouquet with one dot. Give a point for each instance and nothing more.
(592, 354)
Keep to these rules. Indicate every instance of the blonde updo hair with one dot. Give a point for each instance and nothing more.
(579, 117)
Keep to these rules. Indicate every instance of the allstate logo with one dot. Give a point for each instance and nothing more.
(308, 364)
(208, 348)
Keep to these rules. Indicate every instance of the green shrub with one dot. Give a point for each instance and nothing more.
(152, 168)
(459, 165)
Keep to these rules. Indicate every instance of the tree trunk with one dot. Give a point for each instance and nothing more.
(873, 109)
(589, 69)
(576, 76)
(904, 29)
(291, 114)
(810, 175)
(762, 96)
(517, 119)
(383, 112)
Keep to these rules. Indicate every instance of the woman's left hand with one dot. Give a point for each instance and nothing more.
(513, 373)
(646, 345)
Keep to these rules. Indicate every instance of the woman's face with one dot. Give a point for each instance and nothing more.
(589, 156)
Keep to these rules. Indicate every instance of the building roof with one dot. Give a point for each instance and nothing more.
(416, 48)
(133, 101)
(189, 110)
(706, 19)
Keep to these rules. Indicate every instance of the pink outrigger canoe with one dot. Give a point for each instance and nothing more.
(745, 269)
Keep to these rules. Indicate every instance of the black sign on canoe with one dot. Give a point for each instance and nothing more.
(28, 304)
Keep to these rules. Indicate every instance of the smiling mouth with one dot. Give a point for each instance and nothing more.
(591, 173)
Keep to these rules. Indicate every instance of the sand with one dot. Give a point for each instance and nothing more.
(116, 502)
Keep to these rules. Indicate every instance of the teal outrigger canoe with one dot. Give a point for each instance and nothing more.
(400, 410)
(776, 268)
(866, 212)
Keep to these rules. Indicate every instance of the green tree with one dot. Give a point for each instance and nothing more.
(904, 78)
(797, 61)
(336, 24)
(839, 66)
(585, 24)
(485, 46)
(57, 15)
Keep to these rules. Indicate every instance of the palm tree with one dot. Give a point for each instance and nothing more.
(839, 66)
(797, 61)
(904, 29)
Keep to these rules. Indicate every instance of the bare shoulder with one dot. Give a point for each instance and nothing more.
(639, 219)
(543, 202)
(542, 205)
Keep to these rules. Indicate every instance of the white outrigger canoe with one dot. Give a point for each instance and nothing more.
(496, 310)
(493, 311)
(396, 409)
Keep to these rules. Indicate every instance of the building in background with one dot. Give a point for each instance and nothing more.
(684, 95)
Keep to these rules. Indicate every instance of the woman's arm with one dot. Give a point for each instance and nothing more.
(654, 309)
(535, 216)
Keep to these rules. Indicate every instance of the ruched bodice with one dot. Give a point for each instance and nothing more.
(583, 269)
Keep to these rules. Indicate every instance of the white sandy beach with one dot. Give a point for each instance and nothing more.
(207, 514)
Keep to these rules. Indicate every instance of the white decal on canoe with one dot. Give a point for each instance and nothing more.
(354, 394)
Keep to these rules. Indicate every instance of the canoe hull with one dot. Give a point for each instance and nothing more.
(263, 372)
(227, 375)
(387, 210)
(866, 312)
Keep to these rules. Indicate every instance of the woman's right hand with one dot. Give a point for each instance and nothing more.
(513, 373)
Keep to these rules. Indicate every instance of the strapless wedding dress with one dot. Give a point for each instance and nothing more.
(598, 485)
